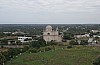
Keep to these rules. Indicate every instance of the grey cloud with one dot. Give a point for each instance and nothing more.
(53, 5)
(43, 11)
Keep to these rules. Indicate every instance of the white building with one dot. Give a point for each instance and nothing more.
(95, 31)
(52, 35)
(25, 39)
(80, 36)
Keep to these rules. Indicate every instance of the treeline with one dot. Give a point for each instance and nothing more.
(34, 47)
(11, 53)
(41, 46)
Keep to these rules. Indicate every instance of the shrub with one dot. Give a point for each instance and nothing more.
(25, 48)
(69, 46)
(33, 50)
(73, 42)
(84, 42)
(48, 48)
(97, 61)
(51, 43)
(38, 44)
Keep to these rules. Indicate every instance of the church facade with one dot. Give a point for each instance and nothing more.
(52, 35)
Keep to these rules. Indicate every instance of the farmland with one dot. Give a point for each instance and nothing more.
(78, 55)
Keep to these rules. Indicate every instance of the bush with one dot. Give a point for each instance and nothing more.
(25, 48)
(38, 44)
(2, 59)
(42, 49)
(97, 61)
(48, 48)
(84, 42)
(51, 43)
(69, 46)
(4, 42)
(33, 50)
(73, 42)
(60, 44)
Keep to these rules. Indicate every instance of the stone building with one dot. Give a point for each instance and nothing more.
(52, 35)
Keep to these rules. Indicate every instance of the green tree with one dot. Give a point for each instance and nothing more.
(97, 61)
(84, 42)
(25, 49)
(73, 42)
(38, 44)
(4, 41)
(2, 59)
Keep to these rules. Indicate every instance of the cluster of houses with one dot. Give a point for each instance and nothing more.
(49, 34)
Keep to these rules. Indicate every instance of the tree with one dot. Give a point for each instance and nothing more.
(84, 42)
(25, 48)
(51, 43)
(4, 41)
(68, 36)
(38, 44)
(33, 50)
(97, 61)
(73, 42)
(2, 59)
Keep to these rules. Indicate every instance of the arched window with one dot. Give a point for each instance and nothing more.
(48, 33)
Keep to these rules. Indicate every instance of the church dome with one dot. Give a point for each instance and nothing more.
(48, 28)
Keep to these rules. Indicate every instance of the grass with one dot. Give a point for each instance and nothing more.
(79, 55)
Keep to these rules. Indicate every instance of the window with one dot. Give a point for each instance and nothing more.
(48, 33)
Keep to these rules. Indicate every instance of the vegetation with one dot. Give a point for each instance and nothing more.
(79, 55)
(11, 53)
(84, 42)
(73, 42)
(97, 61)
(38, 44)
(49, 53)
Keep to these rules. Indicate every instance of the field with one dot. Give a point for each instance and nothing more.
(80, 55)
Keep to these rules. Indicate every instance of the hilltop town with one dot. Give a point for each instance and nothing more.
(58, 34)
(18, 39)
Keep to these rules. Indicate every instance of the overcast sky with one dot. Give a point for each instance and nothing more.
(50, 11)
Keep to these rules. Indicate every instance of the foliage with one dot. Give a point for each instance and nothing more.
(80, 55)
(38, 44)
(70, 46)
(84, 42)
(73, 42)
(68, 36)
(4, 41)
(48, 48)
(51, 43)
(97, 61)
(2, 59)
(25, 48)
(33, 50)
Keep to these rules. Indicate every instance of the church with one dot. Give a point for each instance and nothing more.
(52, 35)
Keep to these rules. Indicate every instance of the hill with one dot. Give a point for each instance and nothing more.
(80, 55)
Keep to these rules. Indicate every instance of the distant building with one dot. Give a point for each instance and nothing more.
(18, 32)
(11, 42)
(80, 36)
(25, 39)
(52, 35)
(91, 41)
(6, 32)
(95, 31)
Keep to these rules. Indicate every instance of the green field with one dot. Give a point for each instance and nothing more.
(81, 55)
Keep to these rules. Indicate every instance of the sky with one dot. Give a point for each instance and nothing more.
(49, 11)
